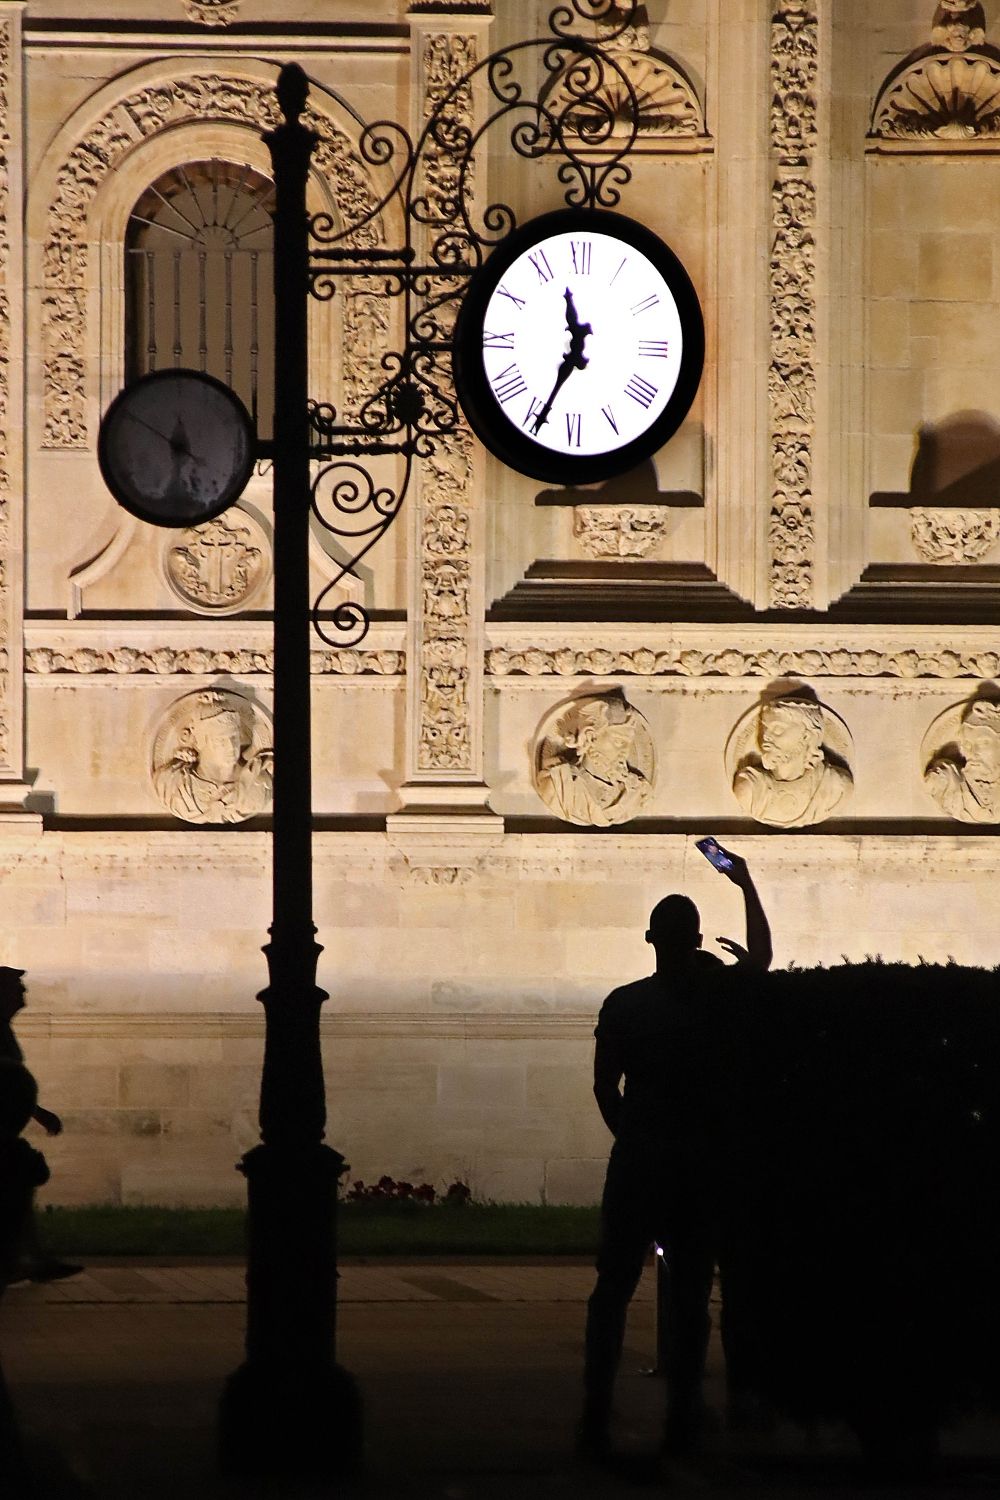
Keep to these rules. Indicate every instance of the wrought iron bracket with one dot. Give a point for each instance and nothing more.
(585, 118)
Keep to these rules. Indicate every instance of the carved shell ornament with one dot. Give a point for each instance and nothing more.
(948, 92)
(594, 762)
(636, 88)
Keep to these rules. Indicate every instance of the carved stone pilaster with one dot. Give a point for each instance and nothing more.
(12, 788)
(445, 793)
(792, 301)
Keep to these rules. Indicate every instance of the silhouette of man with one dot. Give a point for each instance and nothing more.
(22, 1170)
(35, 1265)
(660, 1034)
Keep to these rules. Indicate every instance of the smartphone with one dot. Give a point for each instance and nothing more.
(715, 853)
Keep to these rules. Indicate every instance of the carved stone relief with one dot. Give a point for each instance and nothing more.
(213, 12)
(594, 762)
(792, 278)
(903, 662)
(619, 531)
(639, 81)
(948, 95)
(212, 758)
(954, 536)
(200, 98)
(960, 756)
(789, 762)
(218, 567)
(444, 739)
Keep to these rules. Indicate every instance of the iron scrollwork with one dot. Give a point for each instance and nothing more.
(586, 115)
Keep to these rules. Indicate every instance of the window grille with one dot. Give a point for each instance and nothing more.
(198, 279)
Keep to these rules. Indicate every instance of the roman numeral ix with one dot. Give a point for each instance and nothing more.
(497, 340)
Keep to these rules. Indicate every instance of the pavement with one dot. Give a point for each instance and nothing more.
(470, 1375)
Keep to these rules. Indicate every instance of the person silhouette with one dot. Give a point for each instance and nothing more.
(34, 1264)
(660, 1035)
(22, 1170)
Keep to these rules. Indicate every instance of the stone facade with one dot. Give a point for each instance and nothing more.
(821, 532)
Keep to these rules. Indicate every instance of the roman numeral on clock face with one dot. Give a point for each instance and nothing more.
(606, 411)
(654, 348)
(535, 406)
(645, 304)
(541, 265)
(497, 340)
(574, 428)
(517, 301)
(580, 253)
(640, 390)
(508, 384)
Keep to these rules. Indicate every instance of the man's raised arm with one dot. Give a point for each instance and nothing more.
(759, 950)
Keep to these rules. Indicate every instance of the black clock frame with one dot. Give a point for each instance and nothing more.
(106, 436)
(485, 414)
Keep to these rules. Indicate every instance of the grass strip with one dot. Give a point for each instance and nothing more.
(383, 1229)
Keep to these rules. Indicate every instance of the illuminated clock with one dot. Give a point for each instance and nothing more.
(579, 347)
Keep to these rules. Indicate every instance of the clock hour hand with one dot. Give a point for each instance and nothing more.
(574, 359)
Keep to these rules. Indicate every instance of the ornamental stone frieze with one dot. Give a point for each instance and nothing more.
(901, 661)
(199, 98)
(792, 297)
(960, 760)
(212, 758)
(789, 761)
(594, 762)
(219, 567)
(946, 95)
(196, 661)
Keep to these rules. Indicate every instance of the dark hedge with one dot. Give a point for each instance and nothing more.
(860, 1192)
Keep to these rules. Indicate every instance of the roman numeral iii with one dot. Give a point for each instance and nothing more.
(654, 348)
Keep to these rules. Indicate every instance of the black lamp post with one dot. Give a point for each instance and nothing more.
(290, 1408)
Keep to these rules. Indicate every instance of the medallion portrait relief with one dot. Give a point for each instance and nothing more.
(212, 758)
(789, 762)
(594, 761)
(961, 760)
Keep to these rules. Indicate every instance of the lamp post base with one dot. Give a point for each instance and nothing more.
(302, 1424)
(290, 1409)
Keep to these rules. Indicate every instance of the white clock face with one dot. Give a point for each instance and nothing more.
(582, 343)
(176, 448)
(579, 346)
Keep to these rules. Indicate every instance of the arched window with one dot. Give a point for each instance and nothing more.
(198, 279)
